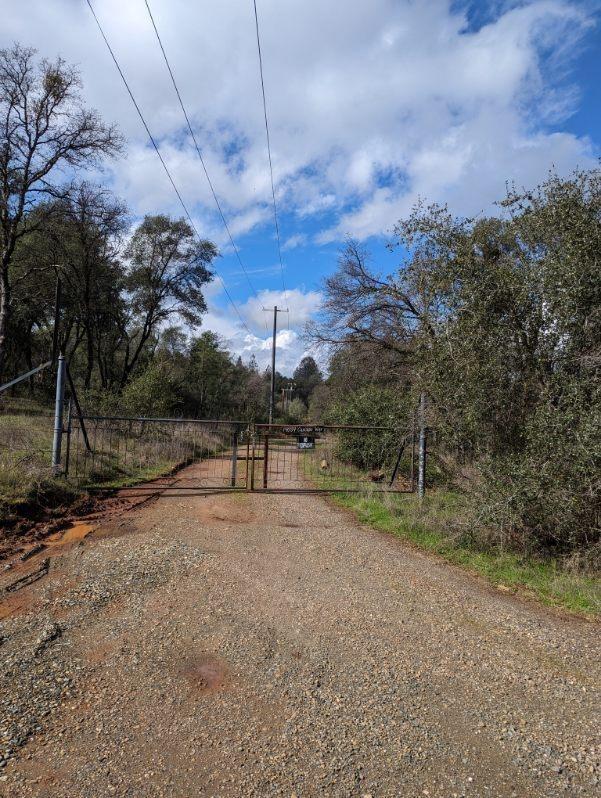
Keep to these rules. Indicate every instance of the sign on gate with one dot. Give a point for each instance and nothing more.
(306, 442)
(303, 429)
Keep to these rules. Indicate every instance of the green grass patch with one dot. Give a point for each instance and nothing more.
(25, 447)
(430, 528)
(126, 480)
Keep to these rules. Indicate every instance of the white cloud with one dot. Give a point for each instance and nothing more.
(371, 103)
(257, 339)
(294, 241)
(301, 304)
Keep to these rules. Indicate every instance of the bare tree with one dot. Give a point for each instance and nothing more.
(45, 131)
(360, 307)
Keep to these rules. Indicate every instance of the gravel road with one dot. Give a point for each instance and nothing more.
(268, 645)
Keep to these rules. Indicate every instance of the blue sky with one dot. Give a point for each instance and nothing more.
(372, 104)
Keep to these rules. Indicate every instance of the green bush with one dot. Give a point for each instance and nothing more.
(549, 495)
(370, 406)
(152, 393)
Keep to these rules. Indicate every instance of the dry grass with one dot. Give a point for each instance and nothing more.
(123, 454)
(127, 452)
(25, 451)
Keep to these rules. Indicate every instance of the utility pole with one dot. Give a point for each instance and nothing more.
(276, 310)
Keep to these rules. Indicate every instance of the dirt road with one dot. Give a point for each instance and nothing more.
(267, 645)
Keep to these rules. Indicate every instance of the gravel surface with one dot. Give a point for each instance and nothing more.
(268, 645)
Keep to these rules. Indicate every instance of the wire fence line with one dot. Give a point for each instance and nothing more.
(101, 451)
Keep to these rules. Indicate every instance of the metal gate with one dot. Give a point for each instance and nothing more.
(191, 454)
(309, 457)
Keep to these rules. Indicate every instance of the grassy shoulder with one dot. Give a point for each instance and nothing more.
(428, 527)
(29, 491)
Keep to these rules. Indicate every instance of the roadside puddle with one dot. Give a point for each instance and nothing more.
(79, 531)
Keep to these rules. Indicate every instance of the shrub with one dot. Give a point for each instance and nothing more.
(548, 496)
(370, 406)
(152, 393)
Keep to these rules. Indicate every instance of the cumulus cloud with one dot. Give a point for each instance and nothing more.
(256, 338)
(300, 303)
(371, 103)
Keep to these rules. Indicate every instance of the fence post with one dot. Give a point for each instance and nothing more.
(252, 464)
(246, 472)
(58, 414)
(421, 473)
(234, 457)
(265, 460)
(68, 446)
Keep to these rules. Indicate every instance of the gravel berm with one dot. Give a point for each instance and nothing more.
(268, 645)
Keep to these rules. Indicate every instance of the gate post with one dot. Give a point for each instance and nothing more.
(265, 461)
(69, 430)
(252, 465)
(59, 401)
(234, 457)
(246, 483)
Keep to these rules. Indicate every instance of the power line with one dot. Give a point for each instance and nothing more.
(209, 181)
(158, 152)
(275, 210)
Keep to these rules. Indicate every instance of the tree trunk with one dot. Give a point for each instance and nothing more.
(89, 356)
(4, 315)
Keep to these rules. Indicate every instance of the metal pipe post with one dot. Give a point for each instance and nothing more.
(265, 460)
(59, 402)
(421, 473)
(69, 431)
(252, 465)
(234, 457)
(246, 482)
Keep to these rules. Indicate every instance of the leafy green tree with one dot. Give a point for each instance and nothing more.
(498, 320)
(79, 242)
(208, 377)
(168, 268)
(153, 392)
(370, 407)
(306, 378)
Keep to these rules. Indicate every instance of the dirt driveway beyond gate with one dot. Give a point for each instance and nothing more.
(209, 644)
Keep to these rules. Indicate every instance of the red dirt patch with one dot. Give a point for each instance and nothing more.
(206, 673)
(100, 653)
(17, 603)
(226, 512)
(78, 531)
